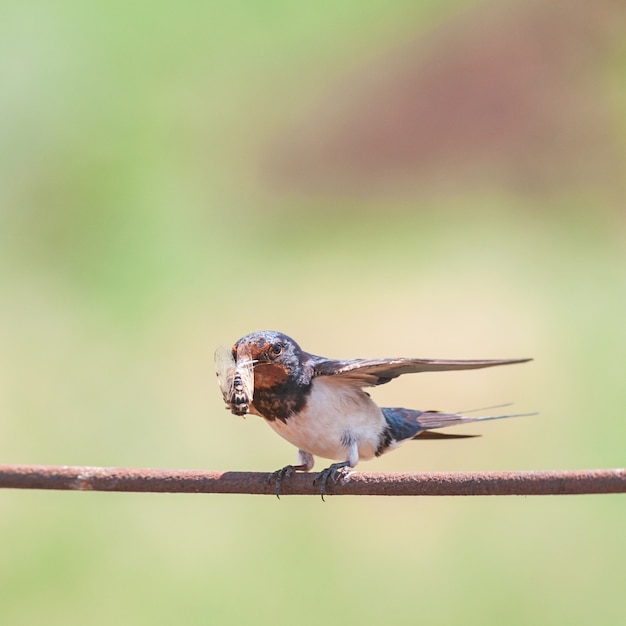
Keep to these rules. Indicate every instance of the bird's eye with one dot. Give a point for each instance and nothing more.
(277, 349)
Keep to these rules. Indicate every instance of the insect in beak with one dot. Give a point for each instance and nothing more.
(236, 380)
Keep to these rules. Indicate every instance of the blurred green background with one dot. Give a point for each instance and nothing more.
(373, 178)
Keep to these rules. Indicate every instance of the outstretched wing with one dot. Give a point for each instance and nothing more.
(370, 372)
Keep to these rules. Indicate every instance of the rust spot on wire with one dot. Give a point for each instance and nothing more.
(527, 483)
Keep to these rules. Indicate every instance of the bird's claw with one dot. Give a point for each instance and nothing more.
(337, 472)
(278, 476)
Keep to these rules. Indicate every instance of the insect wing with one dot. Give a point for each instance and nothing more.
(226, 369)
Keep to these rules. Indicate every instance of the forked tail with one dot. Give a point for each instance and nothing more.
(410, 424)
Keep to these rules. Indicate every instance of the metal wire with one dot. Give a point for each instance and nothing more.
(526, 483)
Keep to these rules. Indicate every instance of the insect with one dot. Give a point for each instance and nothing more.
(236, 380)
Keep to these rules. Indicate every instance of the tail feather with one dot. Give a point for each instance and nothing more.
(433, 434)
(409, 424)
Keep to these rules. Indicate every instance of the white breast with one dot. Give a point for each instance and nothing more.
(337, 417)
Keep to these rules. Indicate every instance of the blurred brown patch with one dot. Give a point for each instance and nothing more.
(507, 95)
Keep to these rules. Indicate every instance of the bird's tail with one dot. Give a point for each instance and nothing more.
(411, 424)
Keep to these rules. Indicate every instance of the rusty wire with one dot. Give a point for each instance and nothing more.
(527, 483)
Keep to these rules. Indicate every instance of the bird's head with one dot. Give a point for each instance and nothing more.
(276, 356)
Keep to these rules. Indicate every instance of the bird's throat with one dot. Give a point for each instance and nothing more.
(280, 400)
(268, 375)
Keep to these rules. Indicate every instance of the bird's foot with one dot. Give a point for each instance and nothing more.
(278, 476)
(336, 472)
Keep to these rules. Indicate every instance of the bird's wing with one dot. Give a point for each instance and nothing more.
(370, 372)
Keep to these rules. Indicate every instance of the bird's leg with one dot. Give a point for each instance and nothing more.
(305, 463)
(334, 472)
(340, 470)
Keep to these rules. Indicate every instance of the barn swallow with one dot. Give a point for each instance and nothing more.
(319, 405)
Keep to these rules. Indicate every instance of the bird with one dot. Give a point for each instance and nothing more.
(320, 406)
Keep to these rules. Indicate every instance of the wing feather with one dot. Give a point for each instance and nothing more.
(370, 372)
